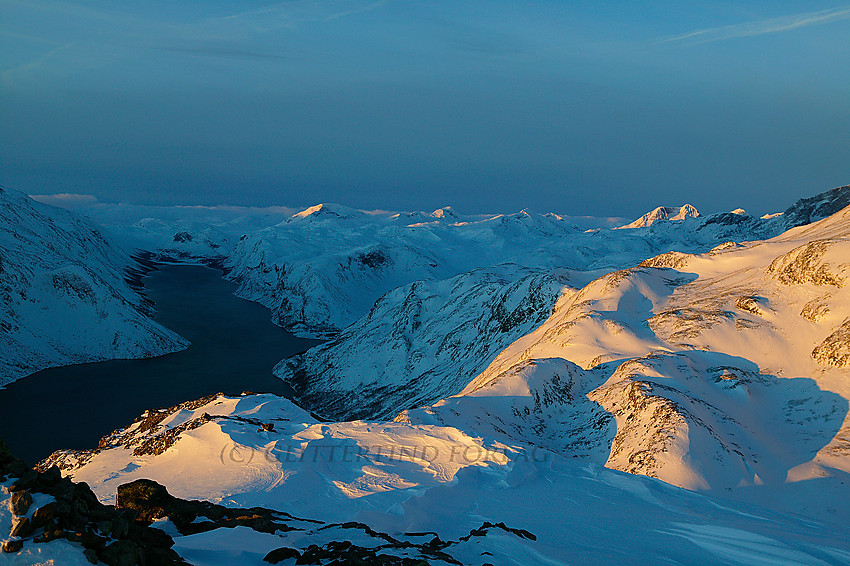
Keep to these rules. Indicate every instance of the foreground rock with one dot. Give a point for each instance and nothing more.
(74, 514)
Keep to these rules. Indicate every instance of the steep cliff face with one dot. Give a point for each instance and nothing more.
(422, 341)
(63, 294)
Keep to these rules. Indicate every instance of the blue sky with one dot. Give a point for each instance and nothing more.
(575, 107)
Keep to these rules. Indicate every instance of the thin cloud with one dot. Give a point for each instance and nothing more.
(346, 13)
(221, 51)
(65, 198)
(7, 76)
(761, 27)
(291, 14)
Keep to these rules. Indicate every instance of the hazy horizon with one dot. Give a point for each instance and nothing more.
(580, 109)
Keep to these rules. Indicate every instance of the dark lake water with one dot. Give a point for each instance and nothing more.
(234, 348)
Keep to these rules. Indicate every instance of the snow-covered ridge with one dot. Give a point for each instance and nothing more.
(321, 269)
(426, 340)
(63, 293)
(818, 207)
(422, 341)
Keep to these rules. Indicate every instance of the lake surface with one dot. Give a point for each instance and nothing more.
(234, 348)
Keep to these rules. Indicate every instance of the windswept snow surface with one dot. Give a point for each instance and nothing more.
(401, 478)
(63, 294)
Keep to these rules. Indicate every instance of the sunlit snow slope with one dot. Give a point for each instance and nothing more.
(719, 370)
(426, 340)
(438, 481)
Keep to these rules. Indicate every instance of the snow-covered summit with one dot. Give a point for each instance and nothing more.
(444, 213)
(663, 213)
(325, 211)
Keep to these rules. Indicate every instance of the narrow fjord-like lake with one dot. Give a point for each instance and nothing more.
(234, 348)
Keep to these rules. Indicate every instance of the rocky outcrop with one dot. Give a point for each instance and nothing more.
(673, 260)
(146, 436)
(105, 534)
(806, 264)
(751, 303)
(151, 501)
(811, 209)
(346, 552)
(835, 349)
(681, 325)
(816, 309)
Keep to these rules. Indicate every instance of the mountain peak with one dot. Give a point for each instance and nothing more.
(445, 212)
(326, 210)
(664, 213)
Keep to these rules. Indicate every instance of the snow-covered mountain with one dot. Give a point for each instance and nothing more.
(668, 213)
(64, 295)
(422, 341)
(321, 269)
(710, 371)
(425, 341)
(324, 268)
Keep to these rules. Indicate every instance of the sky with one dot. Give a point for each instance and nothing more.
(581, 107)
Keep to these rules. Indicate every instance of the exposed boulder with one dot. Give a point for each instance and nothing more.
(20, 502)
